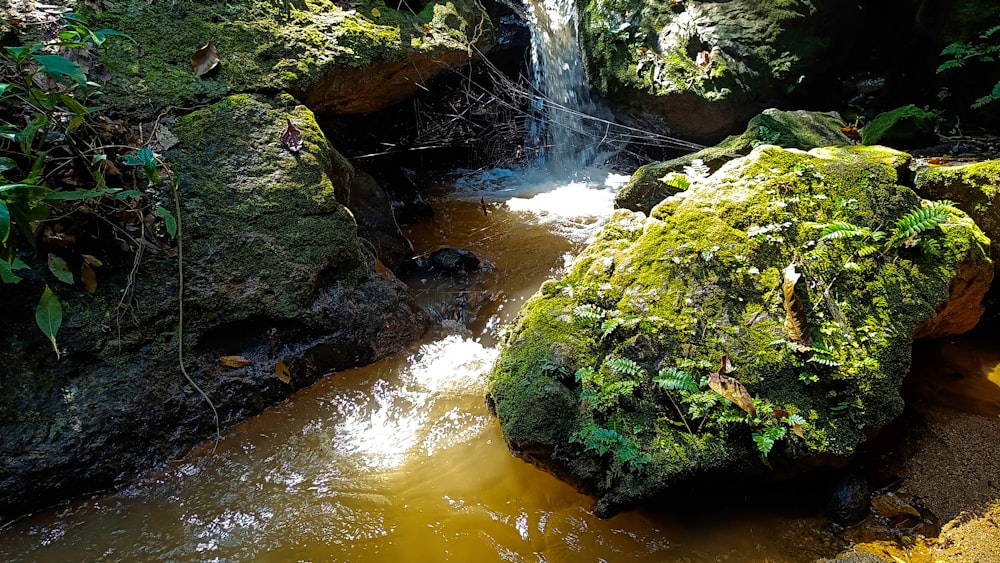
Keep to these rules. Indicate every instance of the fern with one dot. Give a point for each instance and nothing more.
(841, 230)
(673, 379)
(625, 366)
(611, 325)
(697, 170)
(765, 440)
(587, 314)
(923, 219)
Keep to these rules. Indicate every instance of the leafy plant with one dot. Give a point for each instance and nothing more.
(985, 50)
(625, 452)
(48, 148)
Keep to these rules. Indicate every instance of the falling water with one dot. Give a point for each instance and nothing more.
(560, 125)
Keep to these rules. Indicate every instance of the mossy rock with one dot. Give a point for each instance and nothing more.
(975, 188)
(905, 127)
(646, 53)
(701, 280)
(335, 60)
(790, 129)
(272, 271)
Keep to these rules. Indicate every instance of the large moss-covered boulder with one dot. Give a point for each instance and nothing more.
(273, 271)
(790, 129)
(976, 189)
(707, 66)
(335, 59)
(789, 282)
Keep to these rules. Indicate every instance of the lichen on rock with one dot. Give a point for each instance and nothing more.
(603, 380)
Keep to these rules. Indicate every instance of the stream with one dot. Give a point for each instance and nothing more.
(402, 457)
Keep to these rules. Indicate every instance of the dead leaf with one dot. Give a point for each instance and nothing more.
(88, 278)
(798, 430)
(731, 389)
(381, 269)
(165, 139)
(704, 60)
(205, 59)
(92, 261)
(234, 361)
(291, 137)
(796, 323)
(282, 371)
(889, 505)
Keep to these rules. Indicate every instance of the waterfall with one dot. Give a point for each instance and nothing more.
(561, 130)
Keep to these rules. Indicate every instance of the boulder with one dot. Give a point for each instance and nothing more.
(708, 66)
(975, 187)
(905, 127)
(790, 129)
(334, 59)
(273, 273)
(761, 319)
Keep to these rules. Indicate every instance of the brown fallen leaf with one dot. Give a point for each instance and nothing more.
(704, 60)
(889, 505)
(234, 361)
(731, 388)
(798, 430)
(205, 59)
(292, 137)
(88, 278)
(282, 371)
(796, 323)
(383, 272)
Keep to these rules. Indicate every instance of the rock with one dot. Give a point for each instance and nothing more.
(790, 129)
(336, 60)
(273, 271)
(973, 187)
(646, 53)
(904, 127)
(453, 261)
(850, 499)
(673, 296)
(372, 209)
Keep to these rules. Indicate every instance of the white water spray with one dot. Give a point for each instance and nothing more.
(560, 128)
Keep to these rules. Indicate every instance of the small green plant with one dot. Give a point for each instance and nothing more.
(906, 234)
(985, 50)
(49, 147)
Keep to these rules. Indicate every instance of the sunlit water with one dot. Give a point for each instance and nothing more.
(401, 461)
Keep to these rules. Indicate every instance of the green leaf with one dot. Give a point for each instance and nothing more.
(146, 154)
(7, 164)
(48, 316)
(54, 66)
(132, 160)
(73, 195)
(60, 270)
(169, 219)
(4, 222)
(123, 195)
(7, 270)
(3, 88)
(73, 105)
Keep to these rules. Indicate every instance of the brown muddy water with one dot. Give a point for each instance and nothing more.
(400, 460)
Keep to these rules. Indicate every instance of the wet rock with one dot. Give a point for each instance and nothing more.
(453, 261)
(377, 225)
(790, 129)
(708, 262)
(850, 499)
(273, 271)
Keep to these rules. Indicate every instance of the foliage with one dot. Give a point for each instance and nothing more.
(985, 50)
(54, 149)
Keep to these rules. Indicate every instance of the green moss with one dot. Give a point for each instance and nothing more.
(790, 129)
(704, 275)
(908, 126)
(257, 213)
(262, 48)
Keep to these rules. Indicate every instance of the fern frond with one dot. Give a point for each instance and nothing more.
(867, 250)
(625, 366)
(923, 219)
(841, 229)
(588, 314)
(674, 379)
(610, 325)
